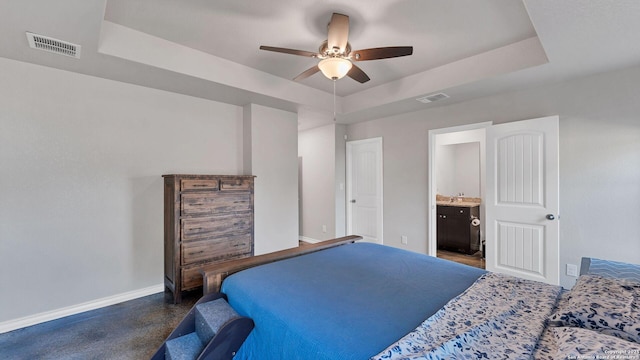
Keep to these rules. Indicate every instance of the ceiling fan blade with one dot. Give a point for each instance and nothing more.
(289, 51)
(381, 53)
(307, 73)
(357, 74)
(338, 34)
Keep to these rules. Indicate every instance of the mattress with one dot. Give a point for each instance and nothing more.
(347, 302)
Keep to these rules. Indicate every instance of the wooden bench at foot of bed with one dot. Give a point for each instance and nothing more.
(214, 274)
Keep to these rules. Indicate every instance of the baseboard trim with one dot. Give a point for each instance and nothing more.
(30, 320)
(308, 239)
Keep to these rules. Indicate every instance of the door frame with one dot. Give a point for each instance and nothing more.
(380, 176)
(432, 244)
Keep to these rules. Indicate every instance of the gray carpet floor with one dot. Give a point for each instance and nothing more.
(129, 330)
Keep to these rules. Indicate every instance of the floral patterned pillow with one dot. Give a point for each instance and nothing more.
(576, 343)
(609, 306)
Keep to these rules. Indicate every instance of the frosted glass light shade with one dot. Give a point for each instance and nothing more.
(335, 68)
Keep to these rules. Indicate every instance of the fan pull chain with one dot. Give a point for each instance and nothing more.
(334, 100)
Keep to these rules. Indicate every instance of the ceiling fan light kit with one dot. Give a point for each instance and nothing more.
(336, 55)
(335, 68)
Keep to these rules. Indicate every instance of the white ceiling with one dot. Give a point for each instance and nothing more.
(234, 30)
(209, 49)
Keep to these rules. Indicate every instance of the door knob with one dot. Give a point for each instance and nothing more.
(550, 217)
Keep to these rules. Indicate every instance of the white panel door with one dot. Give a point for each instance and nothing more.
(364, 189)
(522, 234)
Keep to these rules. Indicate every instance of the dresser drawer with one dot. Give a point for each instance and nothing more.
(211, 203)
(235, 184)
(216, 226)
(199, 184)
(215, 249)
(191, 276)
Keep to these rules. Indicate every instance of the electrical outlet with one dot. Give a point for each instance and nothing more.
(403, 239)
(572, 270)
(324, 228)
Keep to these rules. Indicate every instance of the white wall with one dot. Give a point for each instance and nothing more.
(316, 148)
(458, 169)
(599, 161)
(467, 165)
(459, 162)
(322, 156)
(271, 141)
(445, 170)
(340, 181)
(81, 201)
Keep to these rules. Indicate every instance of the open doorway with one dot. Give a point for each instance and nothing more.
(456, 189)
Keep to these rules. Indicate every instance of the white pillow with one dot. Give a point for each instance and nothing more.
(609, 306)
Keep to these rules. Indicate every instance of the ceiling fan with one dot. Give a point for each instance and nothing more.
(336, 55)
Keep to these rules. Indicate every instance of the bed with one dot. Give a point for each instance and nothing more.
(367, 301)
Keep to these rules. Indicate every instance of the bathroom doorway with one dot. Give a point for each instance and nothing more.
(456, 190)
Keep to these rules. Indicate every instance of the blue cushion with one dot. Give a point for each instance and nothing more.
(186, 347)
(211, 317)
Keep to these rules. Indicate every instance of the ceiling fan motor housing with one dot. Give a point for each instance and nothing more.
(325, 52)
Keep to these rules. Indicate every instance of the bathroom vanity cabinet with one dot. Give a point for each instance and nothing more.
(455, 230)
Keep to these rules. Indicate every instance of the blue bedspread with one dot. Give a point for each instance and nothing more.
(348, 302)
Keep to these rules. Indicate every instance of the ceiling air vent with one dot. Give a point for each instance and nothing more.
(433, 97)
(53, 45)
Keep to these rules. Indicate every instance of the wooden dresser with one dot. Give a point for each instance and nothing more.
(207, 219)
